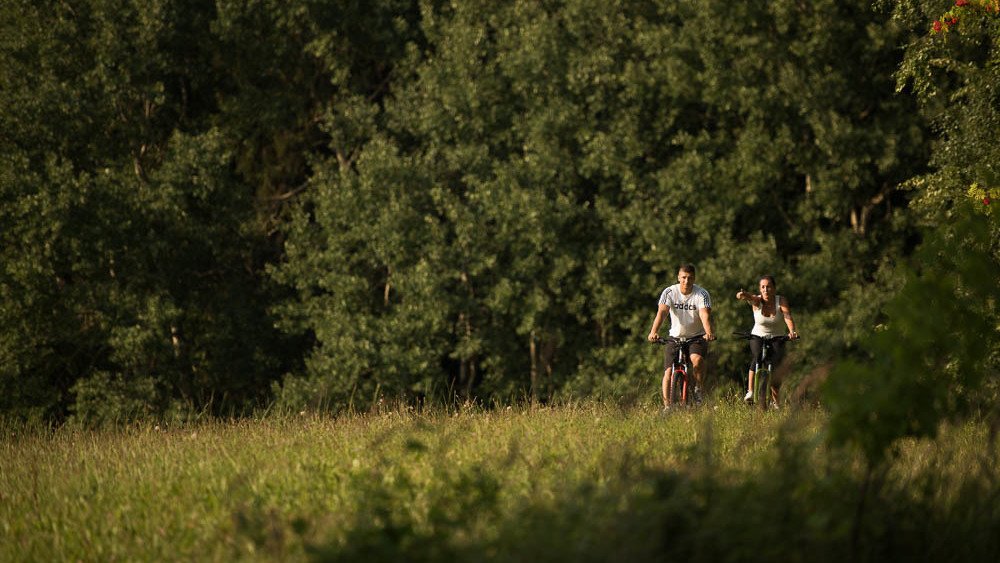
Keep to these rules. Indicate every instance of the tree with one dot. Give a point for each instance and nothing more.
(938, 356)
(150, 150)
(540, 168)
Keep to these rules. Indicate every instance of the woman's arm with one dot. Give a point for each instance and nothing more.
(748, 297)
(786, 312)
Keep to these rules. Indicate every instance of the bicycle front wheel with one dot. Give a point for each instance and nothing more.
(761, 384)
(678, 388)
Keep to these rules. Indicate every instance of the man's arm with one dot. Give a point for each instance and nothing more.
(706, 320)
(654, 332)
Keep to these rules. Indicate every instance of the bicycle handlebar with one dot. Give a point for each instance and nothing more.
(778, 338)
(678, 339)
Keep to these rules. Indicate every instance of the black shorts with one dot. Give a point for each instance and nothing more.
(699, 347)
(774, 358)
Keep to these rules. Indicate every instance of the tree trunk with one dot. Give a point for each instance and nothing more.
(534, 367)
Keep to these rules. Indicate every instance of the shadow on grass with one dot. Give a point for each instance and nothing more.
(798, 506)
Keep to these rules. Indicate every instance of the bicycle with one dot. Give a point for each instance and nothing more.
(763, 368)
(678, 381)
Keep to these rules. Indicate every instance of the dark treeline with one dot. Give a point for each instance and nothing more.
(222, 206)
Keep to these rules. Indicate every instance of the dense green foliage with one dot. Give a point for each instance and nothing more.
(583, 483)
(540, 170)
(937, 356)
(133, 242)
(954, 74)
(209, 209)
(213, 207)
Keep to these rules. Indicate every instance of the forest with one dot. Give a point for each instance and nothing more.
(223, 207)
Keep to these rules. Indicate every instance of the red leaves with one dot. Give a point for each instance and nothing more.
(946, 21)
(966, 7)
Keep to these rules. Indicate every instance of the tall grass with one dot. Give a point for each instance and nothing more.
(576, 482)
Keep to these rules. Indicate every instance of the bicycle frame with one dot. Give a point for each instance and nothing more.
(762, 377)
(678, 383)
(763, 368)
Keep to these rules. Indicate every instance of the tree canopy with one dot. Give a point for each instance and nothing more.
(220, 206)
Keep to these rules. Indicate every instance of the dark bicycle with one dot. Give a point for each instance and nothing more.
(680, 391)
(763, 368)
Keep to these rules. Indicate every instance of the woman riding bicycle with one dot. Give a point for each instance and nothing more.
(770, 311)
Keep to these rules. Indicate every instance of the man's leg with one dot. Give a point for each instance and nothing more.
(699, 356)
(666, 387)
(697, 363)
(669, 353)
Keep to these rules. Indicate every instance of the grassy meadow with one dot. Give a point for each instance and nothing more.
(575, 482)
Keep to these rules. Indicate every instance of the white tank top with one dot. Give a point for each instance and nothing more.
(768, 326)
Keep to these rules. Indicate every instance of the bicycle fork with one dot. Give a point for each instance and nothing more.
(762, 379)
(682, 373)
(679, 368)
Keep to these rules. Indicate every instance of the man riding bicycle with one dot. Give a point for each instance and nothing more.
(690, 309)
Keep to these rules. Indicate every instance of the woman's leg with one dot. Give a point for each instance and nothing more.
(755, 349)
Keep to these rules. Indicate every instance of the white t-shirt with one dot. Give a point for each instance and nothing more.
(685, 322)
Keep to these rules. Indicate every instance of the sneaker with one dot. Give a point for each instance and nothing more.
(697, 395)
(749, 397)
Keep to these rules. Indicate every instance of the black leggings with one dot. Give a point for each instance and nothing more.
(774, 358)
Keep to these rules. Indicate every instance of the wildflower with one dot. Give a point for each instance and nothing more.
(986, 200)
(961, 3)
(937, 26)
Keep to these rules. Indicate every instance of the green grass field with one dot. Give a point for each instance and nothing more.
(575, 483)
